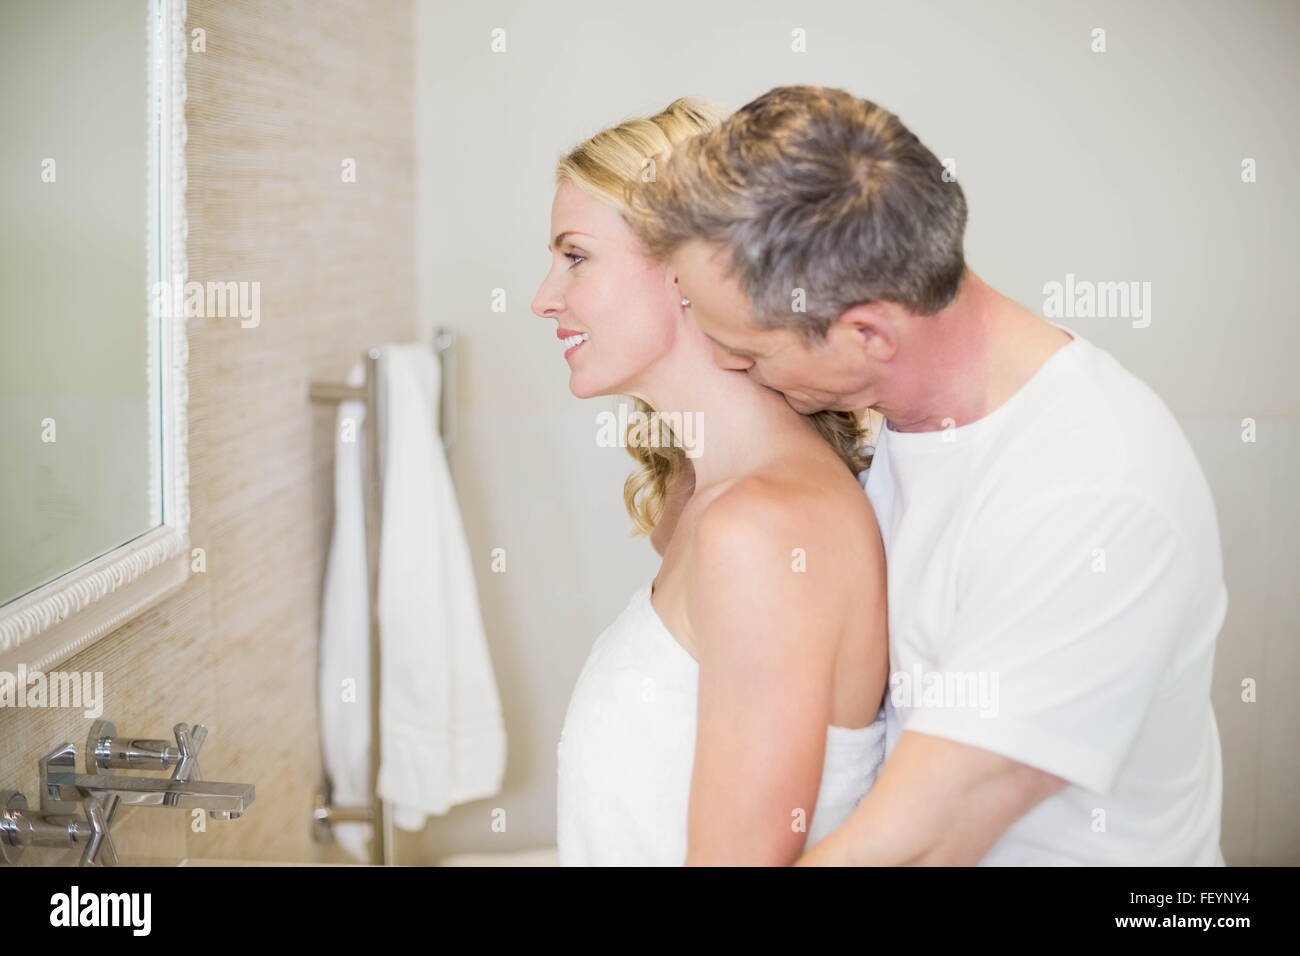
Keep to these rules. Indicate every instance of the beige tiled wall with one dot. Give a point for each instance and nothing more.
(284, 92)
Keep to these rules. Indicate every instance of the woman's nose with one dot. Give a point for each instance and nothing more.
(546, 304)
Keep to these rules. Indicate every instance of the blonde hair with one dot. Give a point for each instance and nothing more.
(608, 167)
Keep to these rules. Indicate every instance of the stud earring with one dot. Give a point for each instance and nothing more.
(686, 301)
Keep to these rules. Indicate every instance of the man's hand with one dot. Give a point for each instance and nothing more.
(678, 494)
(936, 802)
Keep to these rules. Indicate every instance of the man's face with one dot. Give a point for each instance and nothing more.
(831, 374)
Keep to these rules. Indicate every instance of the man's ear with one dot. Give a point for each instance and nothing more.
(871, 328)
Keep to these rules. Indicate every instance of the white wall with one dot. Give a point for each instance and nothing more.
(1123, 165)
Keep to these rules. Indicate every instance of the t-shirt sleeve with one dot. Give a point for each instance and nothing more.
(1070, 607)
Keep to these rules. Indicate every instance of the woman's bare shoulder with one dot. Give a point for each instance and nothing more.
(797, 499)
(790, 521)
(773, 555)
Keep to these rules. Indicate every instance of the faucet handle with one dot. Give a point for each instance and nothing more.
(189, 741)
(100, 842)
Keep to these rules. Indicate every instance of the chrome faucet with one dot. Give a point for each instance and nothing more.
(98, 792)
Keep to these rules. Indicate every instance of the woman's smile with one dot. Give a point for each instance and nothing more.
(572, 340)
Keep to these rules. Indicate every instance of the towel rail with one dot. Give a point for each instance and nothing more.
(324, 812)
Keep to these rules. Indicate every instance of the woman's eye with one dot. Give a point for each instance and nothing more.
(576, 258)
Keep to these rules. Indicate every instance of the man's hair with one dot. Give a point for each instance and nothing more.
(811, 188)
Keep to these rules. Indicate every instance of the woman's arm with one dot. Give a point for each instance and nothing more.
(766, 636)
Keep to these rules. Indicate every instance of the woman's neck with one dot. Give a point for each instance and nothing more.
(734, 423)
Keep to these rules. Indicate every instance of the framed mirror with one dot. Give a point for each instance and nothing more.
(94, 505)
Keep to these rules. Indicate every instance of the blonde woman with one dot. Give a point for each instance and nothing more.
(732, 713)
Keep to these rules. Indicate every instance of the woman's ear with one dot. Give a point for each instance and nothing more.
(670, 278)
(672, 286)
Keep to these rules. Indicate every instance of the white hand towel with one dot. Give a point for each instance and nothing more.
(343, 685)
(443, 736)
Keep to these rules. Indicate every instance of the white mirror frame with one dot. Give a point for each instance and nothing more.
(46, 626)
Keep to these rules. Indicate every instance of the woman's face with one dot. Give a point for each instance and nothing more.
(603, 288)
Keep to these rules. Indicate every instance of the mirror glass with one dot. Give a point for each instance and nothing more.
(80, 435)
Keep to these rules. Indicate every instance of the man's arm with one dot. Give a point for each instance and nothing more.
(678, 494)
(936, 802)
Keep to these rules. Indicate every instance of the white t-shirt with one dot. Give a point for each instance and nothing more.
(1055, 592)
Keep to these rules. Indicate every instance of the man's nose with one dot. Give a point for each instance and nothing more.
(724, 359)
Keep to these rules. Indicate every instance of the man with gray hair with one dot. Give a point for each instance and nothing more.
(1050, 537)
